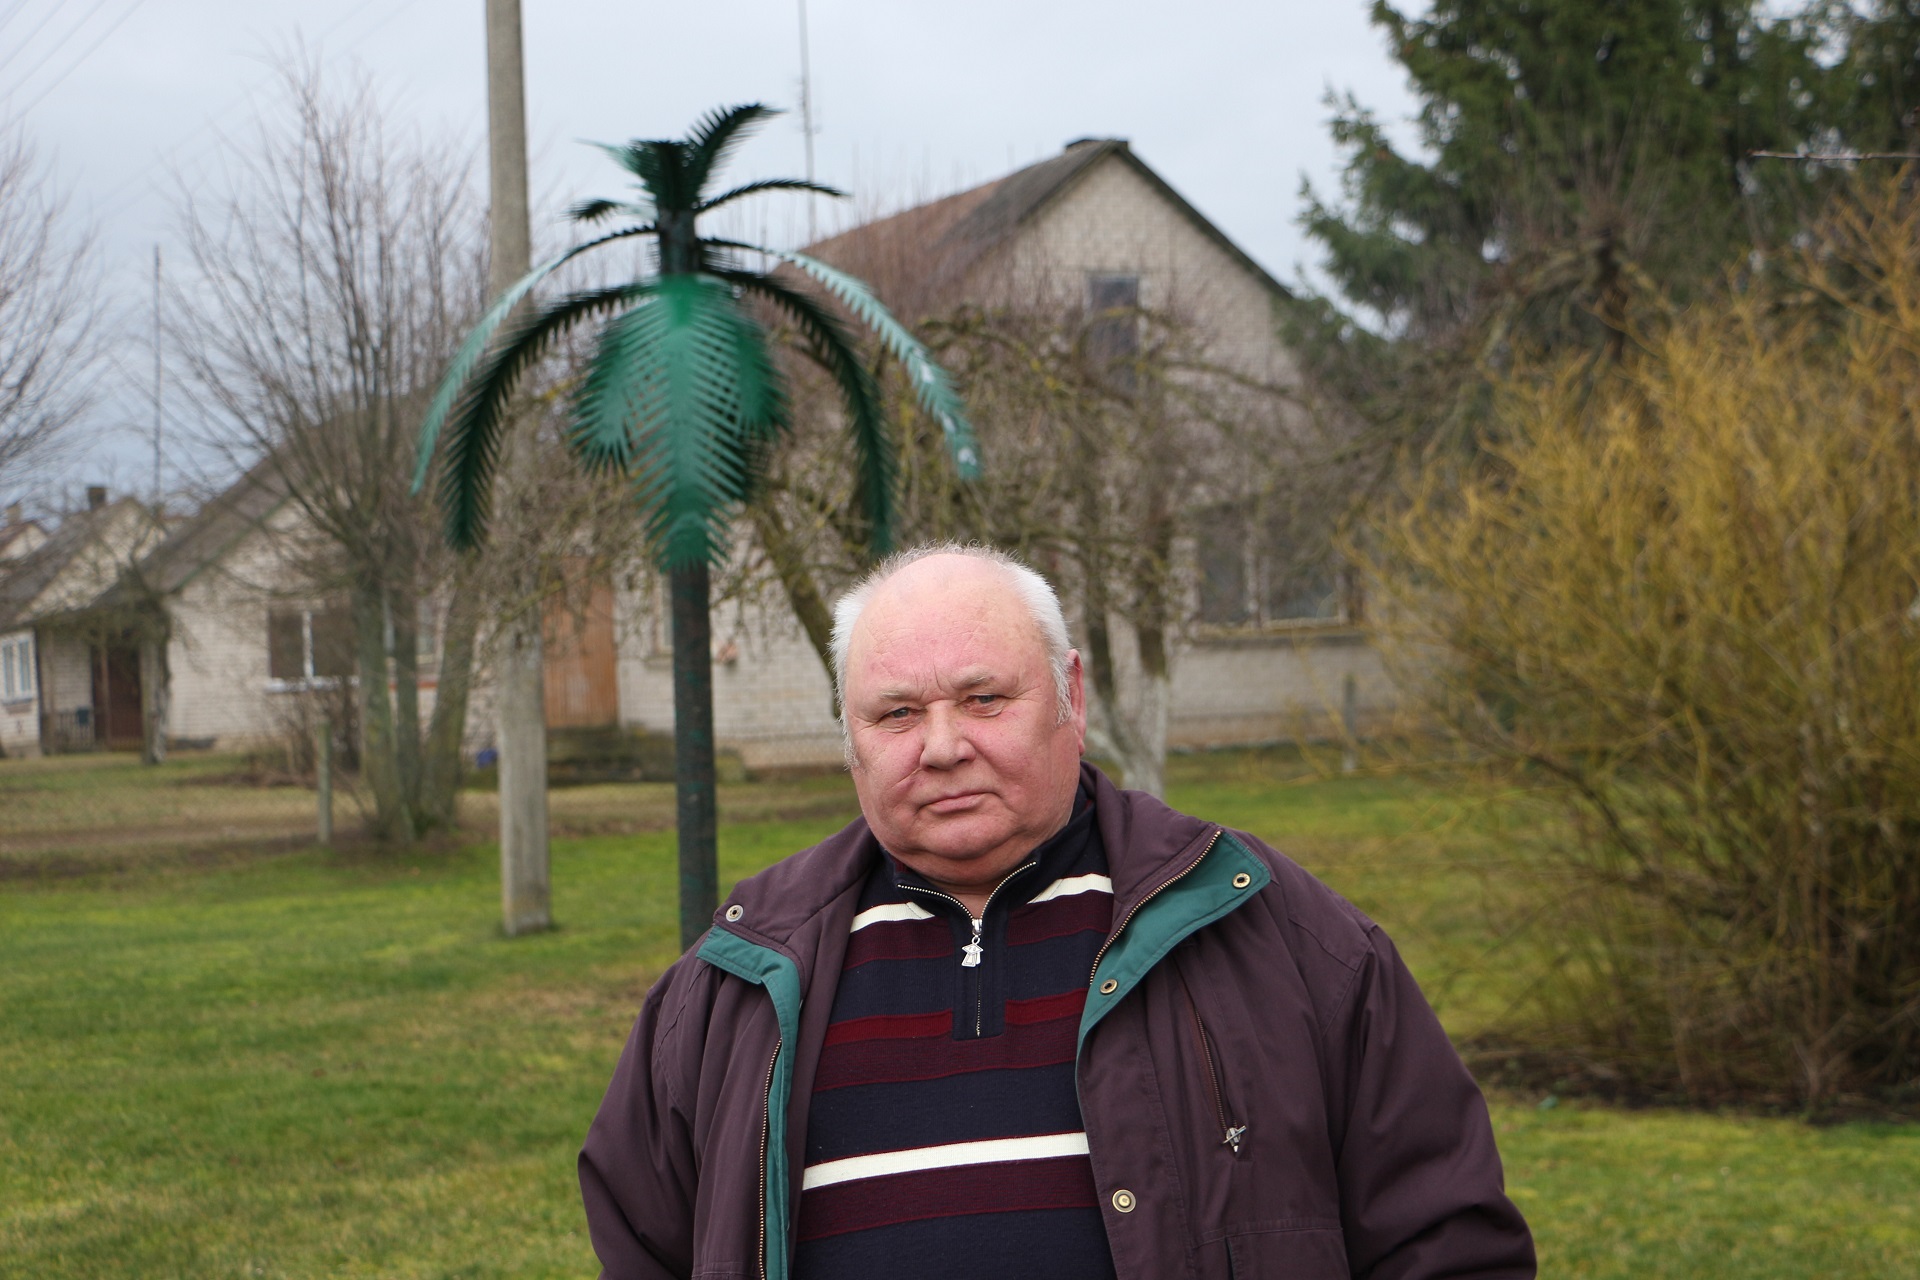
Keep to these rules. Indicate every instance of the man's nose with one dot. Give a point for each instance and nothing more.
(946, 744)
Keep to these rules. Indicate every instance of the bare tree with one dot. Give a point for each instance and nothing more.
(49, 313)
(1107, 438)
(331, 279)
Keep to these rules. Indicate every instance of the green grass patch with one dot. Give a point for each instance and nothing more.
(333, 1065)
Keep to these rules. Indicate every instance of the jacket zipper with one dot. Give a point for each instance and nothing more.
(1233, 1132)
(1158, 889)
(973, 949)
(766, 1136)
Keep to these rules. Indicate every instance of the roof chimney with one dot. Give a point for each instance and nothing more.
(96, 496)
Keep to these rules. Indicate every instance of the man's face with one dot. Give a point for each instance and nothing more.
(960, 758)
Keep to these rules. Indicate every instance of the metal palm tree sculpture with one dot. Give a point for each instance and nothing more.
(682, 396)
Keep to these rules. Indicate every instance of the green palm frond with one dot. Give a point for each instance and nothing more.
(473, 432)
(717, 133)
(681, 395)
(769, 184)
(638, 158)
(832, 347)
(599, 210)
(475, 346)
(931, 385)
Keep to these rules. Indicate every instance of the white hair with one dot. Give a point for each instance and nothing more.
(1032, 590)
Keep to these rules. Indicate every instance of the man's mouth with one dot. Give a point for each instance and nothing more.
(956, 803)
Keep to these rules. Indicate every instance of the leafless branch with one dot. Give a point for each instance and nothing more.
(49, 313)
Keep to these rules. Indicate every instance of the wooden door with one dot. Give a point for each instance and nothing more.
(583, 691)
(118, 712)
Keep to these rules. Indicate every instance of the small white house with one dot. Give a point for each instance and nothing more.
(68, 679)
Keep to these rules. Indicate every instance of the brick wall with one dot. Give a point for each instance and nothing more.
(770, 693)
(217, 654)
(1114, 222)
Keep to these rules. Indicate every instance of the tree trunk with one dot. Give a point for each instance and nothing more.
(156, 683)
(1136, 736)
(1146, 758)
(1143, 749)
(403, 625)
(447, 728)
(392, 810)
(693, 750)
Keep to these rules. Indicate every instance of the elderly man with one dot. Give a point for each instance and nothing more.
(1016, 1021)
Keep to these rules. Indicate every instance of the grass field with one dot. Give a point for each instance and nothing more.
(317, 1064)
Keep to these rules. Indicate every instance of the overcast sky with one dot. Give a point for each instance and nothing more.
(1224, 98)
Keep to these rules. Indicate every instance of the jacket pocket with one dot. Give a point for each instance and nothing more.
(1232, 1132)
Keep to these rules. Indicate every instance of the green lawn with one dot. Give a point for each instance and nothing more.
(332, 1065)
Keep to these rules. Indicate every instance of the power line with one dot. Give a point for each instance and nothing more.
(85, 54)
(11, 10)
(40, 26)
(201, 133)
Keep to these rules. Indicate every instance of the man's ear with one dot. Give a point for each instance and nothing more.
(1077, 699)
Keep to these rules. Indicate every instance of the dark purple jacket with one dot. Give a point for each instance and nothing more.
(1265, 1091)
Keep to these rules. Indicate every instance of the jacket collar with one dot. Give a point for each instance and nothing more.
(1145, 843)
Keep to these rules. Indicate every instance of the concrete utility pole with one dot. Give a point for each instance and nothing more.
(522, 704)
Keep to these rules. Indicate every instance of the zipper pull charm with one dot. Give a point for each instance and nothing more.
(1233, 1138)
(972, 949)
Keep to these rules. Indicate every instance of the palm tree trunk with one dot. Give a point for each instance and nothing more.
(693, 750)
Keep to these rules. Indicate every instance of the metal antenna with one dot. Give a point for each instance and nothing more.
(156, 378)
(806, 124)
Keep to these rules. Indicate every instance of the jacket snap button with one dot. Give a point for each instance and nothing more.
(735, 911)
(1242, 880)
(1123, 1200)
(1107, 988)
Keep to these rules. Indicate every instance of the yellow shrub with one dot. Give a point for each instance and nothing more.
(1685, 594)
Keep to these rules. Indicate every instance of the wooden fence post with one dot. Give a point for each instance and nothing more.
(323, 770)
(1349, 697)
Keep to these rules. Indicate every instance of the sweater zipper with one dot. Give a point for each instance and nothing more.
(974, 950)
(1157, 891)
(1233, 1132)
(766, 1136)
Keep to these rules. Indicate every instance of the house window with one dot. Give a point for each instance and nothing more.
(16, 668)
(426, 630)
(1253, 575)
(1113, 326)
(309, 644)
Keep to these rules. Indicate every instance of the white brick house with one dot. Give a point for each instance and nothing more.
(69, 677)
(1089, 228)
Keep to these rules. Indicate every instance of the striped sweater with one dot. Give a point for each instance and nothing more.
(944, 1136)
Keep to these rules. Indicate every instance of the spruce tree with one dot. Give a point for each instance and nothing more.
(1582, 160)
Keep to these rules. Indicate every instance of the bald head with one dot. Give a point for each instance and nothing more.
(934, 566)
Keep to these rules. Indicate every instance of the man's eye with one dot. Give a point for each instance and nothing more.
(898, 713)
(985, 699)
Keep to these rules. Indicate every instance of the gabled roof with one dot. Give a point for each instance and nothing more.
(24, 582)
(915, 258)
(209, 533)
(14, 539)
